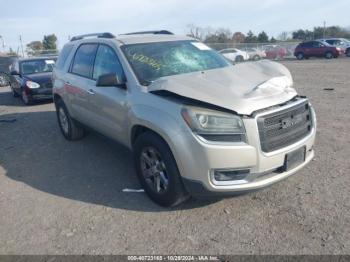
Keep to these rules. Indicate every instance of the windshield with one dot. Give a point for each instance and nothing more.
(37, 66)
(151, 61)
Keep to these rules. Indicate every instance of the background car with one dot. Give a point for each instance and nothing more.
(31, 78)
(255, 53)
(5, 63)
(3, 81)
(275, 51)
(316, 49)
(339, 42)
(234, 54)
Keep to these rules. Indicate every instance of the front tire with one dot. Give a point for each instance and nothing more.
(256, 58)
(239, 59)
(14, 93)
(300, 56)
(329, 55)
(348, 52)
(27, 100)
(157, 170)
(70, 129)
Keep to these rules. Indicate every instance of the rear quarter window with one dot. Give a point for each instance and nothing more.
(63, 56)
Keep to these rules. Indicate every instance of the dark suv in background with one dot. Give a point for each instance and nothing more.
(316, 49)
(31, 78)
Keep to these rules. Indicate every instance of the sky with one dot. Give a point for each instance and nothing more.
(36, 18)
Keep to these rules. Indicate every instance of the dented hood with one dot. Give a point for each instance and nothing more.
(243, 88)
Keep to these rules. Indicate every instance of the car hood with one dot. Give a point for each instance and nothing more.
(243, 88)
(40, 78)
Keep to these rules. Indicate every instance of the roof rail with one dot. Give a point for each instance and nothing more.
(98, 35)
(157, 32)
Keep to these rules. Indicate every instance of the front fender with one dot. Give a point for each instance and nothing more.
(166, 125)
(161, 122)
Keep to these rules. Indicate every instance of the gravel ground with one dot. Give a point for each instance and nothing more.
(58, 197)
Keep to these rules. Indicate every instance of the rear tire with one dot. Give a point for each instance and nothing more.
(157, 170)
(348, 52)
(70, 129)
(329, 55)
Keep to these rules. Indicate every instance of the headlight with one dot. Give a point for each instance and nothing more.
(214, 125)
(32, 85)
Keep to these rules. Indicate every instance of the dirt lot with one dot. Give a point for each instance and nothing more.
(58, 197)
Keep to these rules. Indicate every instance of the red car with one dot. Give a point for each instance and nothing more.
(316, 49)
(275, 51)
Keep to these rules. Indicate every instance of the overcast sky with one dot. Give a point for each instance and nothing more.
(32, 19)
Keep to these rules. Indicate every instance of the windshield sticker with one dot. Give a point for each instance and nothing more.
(50, 62)
(201, 46)
(146, 60)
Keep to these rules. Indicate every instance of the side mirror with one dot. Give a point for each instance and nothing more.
(111, 80)
(15, 73)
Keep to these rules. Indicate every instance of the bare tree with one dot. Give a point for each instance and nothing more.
(284, 36)
(196, 32)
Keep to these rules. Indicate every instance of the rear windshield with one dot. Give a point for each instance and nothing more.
(37, 66)
(151, 61)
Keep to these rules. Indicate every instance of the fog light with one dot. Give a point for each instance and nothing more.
(230, 175)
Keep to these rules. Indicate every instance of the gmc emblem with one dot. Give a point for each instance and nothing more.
(287, 122)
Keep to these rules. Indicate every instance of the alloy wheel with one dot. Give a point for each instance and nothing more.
(154, 170)
(63, 120)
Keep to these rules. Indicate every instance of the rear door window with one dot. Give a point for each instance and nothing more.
(84, 60)
(316, 44)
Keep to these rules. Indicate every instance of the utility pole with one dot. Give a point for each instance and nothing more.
(20, 40)
(3, 43)
(324, 29)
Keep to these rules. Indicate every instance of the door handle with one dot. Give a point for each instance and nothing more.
(91, 92)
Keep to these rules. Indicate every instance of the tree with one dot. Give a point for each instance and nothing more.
(238, 37)
(251, 38)
(284, 36)
(49, 42)
(34, 48)
(195, 32)
(263, 37)
(273, 40)
(221, 35)
(303, 35)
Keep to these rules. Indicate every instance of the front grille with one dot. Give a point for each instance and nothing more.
(285, 127)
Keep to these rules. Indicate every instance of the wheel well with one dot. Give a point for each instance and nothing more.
(138, 130)
(56, 98)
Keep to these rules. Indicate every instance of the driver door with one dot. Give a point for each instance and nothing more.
(108, 104)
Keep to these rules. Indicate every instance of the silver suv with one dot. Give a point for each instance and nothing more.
(197, 124)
